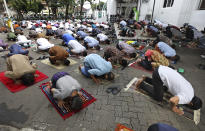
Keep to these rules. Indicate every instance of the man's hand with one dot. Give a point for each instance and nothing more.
(97, 81)
(61, 103)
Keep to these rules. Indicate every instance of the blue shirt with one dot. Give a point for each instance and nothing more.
(67, 37)
(81, 34)
(166, 49)
(98, 66)
(163, 127)
(92, 42)
(17, 49)
(153, 28)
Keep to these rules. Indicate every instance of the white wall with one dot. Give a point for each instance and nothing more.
(169, 14)
(146, 8)
(111, 7)
(197, 17)
(182, 11)
(102, 19)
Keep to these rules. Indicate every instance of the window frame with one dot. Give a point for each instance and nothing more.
(200, 5)
(168, 3)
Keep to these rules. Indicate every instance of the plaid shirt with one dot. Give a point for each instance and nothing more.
(115, 54)
(57, 76)
(159, 59)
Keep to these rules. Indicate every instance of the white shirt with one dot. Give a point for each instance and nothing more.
(44, 44)
(43, 26)
(66, 25)
(102, 37)
(76, 46)
(89, 29)
(69, 32)
(54, 28)
(123, 23)
(39, 30)
(105, 26)
(22, 38)
(177, 85)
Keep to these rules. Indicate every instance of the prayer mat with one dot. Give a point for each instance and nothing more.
(102, 81)
(9, 83)
(122, 128)
(66, 111)
(137, 66)
(193, 115)
(60, 66)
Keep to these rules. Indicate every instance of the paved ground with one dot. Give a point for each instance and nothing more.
(30, 108)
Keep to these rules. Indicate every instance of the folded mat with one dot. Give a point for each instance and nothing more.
(122, 128)
(60, 66)
(9, 83)
(65, 111)
(193, 115)
(137, 66)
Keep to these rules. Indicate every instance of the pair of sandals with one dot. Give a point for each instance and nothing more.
(42, 57)
(115, 90)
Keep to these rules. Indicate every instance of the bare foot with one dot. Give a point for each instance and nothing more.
(79, 68)
(139, 82)
(138, 60)
(178, 111)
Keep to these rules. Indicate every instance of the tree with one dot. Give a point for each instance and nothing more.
(21, 7)
(81, 7)
(36, 7)
(68, 4)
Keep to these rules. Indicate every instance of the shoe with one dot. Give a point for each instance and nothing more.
(108, 90)
(202, 56)
(201, 66)
(116, 90)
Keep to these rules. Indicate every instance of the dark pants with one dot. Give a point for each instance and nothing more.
(145, 64)
(154, 86)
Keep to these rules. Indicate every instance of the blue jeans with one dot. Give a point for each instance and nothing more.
(85, 72)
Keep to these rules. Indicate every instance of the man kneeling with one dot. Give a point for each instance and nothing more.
(58, 53)
(167, 79)
(95, 65)
(66, 89)
(20, 70)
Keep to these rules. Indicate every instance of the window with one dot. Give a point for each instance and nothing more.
(202, 5)
(168, 3)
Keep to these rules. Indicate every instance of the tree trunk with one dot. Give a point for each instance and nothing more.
(66, 12)
(81, 9)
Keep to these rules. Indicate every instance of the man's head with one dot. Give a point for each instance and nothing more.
(84, 53)
(123, 62)
(76, 103)
(66, 62)
(107, 41)
(148, 53)
(118, 47)
(28, 79)
(196, 103)
(133, 55)
(109, 76)
(97, 47)
(106, 56)
(52, 61)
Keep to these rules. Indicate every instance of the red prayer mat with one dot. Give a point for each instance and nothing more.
(9, 83)
(137, 66)
(66, 111)
(122, 128)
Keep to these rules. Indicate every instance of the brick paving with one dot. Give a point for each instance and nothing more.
(30, 108)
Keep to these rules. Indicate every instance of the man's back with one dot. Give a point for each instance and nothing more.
(64, 86)
(176, 84)
(94, 61)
